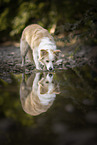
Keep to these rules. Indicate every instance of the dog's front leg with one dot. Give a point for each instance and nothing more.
(35, 82)
(23, 60)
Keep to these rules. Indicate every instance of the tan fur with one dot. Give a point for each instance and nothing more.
(32, 89)
(33, 34)
(39, 45)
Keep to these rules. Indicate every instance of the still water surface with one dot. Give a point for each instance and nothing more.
(51, 108)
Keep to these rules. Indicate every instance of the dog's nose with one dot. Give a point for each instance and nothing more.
(50, 75)
(50, 68)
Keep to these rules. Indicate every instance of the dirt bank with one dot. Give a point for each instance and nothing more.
(10, 59)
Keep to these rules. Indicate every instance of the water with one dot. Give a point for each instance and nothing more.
(52, 108)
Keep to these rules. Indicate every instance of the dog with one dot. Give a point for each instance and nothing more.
(39, 45)
(38, 93)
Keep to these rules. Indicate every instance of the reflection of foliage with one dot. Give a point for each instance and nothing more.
(78, 83)
(9, 101)
(78, 90)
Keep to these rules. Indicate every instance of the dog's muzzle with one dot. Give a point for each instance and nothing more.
(50, 75)
(50, 68)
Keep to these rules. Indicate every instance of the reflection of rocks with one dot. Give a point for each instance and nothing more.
(37, 94)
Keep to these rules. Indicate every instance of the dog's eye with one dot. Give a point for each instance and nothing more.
(53, 61)
(47, 61)
(47, 82)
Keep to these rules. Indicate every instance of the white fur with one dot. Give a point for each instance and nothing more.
(49, 97)
(50, 47)
(46, 44)
(45, 99)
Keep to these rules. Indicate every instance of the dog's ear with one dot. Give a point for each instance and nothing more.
(43, 90)
(56, 92)
(43, 53)
(57, 52)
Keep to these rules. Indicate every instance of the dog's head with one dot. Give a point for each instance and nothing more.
(46, 84)
(48, 58)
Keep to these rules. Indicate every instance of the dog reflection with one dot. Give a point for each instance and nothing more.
(38, 93)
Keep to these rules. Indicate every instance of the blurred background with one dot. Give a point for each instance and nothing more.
(72, 118)
(59, 17)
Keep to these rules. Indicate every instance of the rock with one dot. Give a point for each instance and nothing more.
(59, 61)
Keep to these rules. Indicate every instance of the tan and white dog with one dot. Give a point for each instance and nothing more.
(40, 47)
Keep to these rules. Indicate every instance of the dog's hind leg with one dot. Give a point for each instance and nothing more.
(30, 54)
(23, 49)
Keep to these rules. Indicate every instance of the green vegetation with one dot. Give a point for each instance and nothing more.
(67, 15)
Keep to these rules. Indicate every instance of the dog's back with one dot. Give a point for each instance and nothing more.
(30, 39)
(40, 46)
(33, 34)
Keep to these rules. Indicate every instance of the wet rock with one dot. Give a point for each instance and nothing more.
(58, 62)
(18, 65)
(10, 64)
